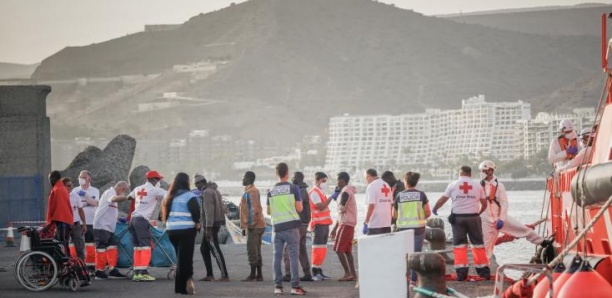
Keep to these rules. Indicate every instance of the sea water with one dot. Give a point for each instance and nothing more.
(524, 206)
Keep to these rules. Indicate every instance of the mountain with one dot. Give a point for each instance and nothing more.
(16, 71)
(283, 67)
(583, 19)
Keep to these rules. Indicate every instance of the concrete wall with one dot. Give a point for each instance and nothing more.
(25, 134)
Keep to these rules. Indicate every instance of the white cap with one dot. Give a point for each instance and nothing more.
(486, 165)
(566, 124)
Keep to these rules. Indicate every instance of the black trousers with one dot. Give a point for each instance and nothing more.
(183, 242)
(213, 248)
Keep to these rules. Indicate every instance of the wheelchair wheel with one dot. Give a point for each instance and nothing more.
(74, 284)
(64, 282)
(37, 271)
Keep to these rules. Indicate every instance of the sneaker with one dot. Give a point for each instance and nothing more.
(91, 270)
(325, 277)
(190, 287)
(116, 274)
(101, 275)
(136, 277)
(278, 290)
(307, 277)
(317, 277)
(286, 277)
(146, 277)
(298, 291)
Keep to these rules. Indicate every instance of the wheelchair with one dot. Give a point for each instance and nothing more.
(46, 264)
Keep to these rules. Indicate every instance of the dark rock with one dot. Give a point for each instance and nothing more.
(107, 166)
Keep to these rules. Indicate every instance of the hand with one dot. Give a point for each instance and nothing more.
(122, 220)
(198, 227)
(365, 228)
(83, 228)
(209, 236)
(572, 150)
(243, 232)
(82, 193)
(434, 211)
(499, 224)
(336, 193)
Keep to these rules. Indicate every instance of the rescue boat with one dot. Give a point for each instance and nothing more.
(578, 213)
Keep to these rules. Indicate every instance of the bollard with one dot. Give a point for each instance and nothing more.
(10, 237)
(437, 241)
(431, 269)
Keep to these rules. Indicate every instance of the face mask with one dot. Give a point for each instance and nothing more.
(571, 135)
(82, 181)
(294, 181)
(158, 184)
(483, 176)
(323, 185)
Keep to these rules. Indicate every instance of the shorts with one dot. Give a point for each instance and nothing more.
(141, 235)
(344, 239)
(104, 239)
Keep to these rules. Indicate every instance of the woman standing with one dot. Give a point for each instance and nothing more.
(411, 209)
(181, 212)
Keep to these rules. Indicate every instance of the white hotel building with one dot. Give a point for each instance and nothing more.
(477, 129)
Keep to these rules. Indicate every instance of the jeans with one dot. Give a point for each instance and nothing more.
(183, 242)
(290, 238)
(304, 262)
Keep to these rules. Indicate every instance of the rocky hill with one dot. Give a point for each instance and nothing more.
(16, 71)
(284, 66)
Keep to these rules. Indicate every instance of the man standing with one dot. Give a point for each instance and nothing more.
(253, 224)
(213, 214)
(347, 219)
(89, 198)
(298, 180)
(283, 205)
(104, 224)
(564, 147)
(319, 224)
(495, 219)
(146, 197)
(468, 202)
(79, 227)
(378, 205)
(59, 212)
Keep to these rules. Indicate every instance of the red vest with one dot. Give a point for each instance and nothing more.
(319, 217)
(563, 143)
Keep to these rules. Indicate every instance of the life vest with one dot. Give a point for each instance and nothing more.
(563, 143)
(180, 216)
(319, 217)
(410, 213)
(492, 197)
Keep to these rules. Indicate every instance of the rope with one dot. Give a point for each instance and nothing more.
(431, 293)
(576, 240)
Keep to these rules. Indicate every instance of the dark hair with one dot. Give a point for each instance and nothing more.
(344, 176)
(372, 173)
(282, 169)
(388, 177)
(412, 178)
(320, 175)
(250, 175)
(66, 180)
(181, 182)
(299, 176)
(466, 170)
(54, 176)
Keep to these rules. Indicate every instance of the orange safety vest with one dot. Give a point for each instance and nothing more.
(563, 144)
(492, 197)
(319, 217)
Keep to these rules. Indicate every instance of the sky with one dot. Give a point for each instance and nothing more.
(31, 30)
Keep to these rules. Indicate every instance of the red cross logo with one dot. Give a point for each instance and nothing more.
(142, 193)
(385, 190)
(465, 187)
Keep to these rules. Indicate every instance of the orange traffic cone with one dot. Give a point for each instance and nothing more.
(541, 290)
(586, 283)
(10, 237)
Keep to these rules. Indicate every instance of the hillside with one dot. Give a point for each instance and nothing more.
(288, 65)
(16, 71)
(557, 20)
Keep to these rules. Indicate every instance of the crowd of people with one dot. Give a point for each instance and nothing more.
(85, 221)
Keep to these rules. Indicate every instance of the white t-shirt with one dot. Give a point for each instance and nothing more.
(146, 197)
(89, 210)
(465, 194)
(76, 204)
(315, 198)
(380, 195)
(107, 212)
